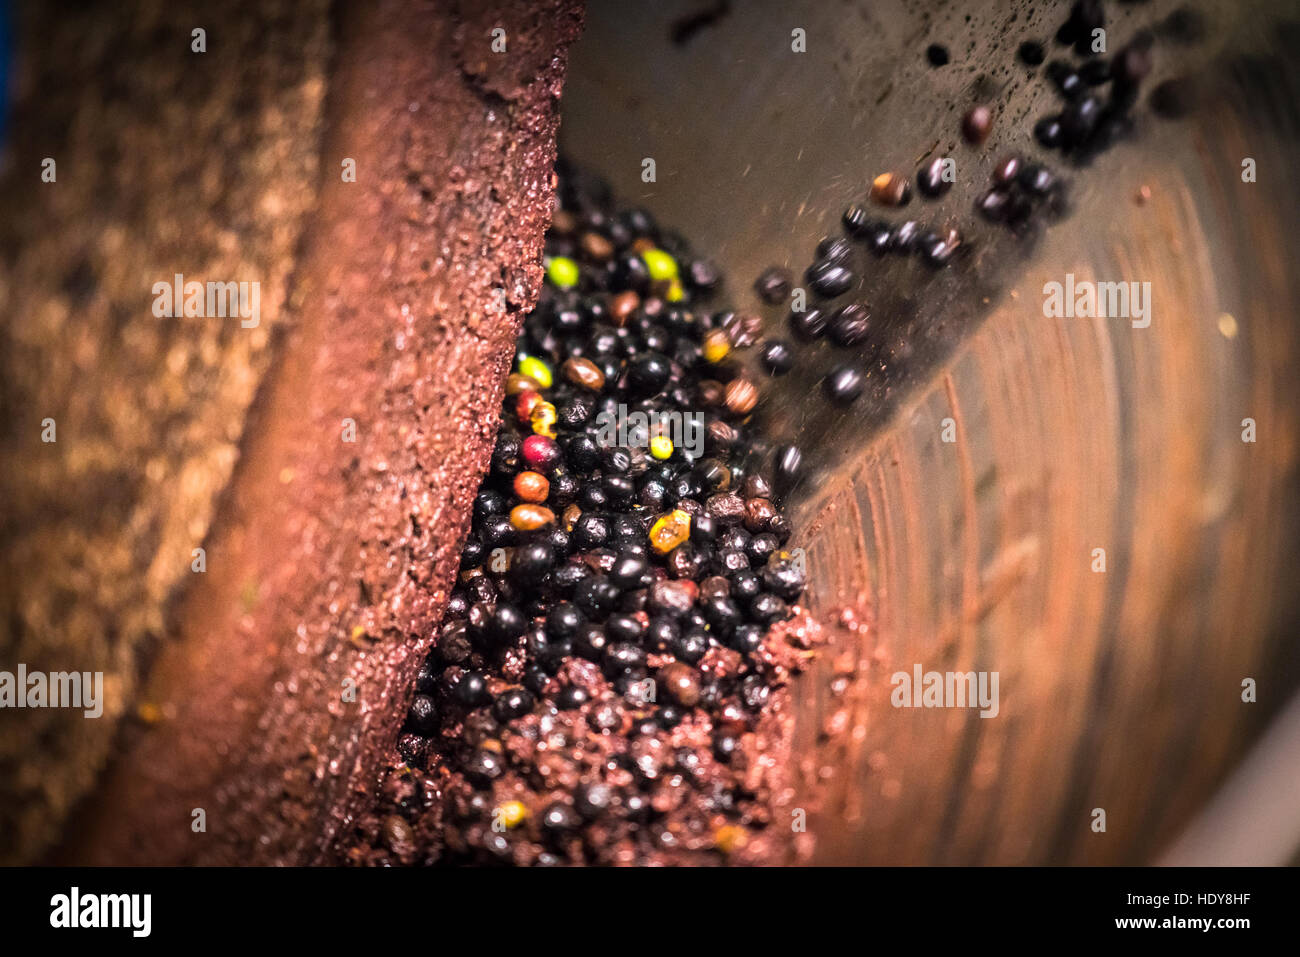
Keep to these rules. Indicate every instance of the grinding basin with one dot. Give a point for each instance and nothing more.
(1102, 513)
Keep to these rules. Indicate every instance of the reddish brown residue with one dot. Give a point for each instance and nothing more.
(333, 559)
(790, 647)
(427, 810)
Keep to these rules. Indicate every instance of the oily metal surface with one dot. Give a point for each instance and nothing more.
(1121, 689)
